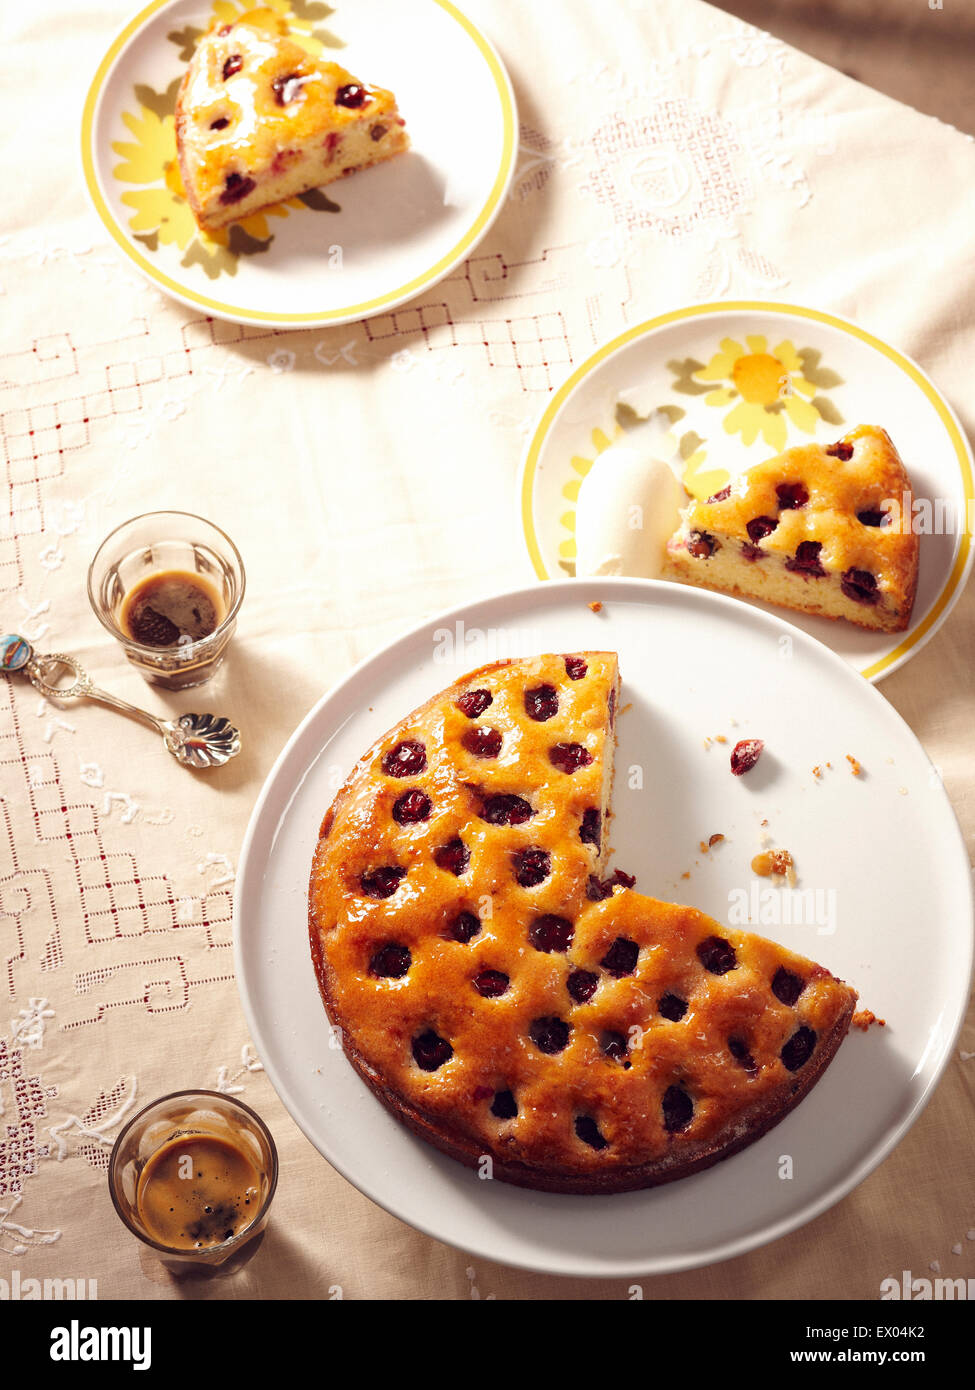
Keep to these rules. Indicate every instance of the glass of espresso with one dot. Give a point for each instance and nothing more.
(168, 587)
(192, 1176)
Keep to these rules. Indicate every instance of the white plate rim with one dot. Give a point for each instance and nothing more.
(313, 319)
(247, 870)
(917, 636)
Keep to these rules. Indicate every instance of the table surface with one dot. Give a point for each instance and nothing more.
(368, 475)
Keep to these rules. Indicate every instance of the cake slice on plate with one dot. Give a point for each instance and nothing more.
(824, 530)
(258, 121)
(503, 994)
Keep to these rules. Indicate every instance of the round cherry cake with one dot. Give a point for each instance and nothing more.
(508, 998)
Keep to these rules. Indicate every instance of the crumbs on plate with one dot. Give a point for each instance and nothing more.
(863, 1019)
(775, 863)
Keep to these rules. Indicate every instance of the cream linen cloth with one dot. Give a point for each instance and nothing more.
(368, 486)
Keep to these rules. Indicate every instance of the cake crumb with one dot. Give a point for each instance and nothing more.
(686, 873)
(775, 863)
(902, 790)
(817, 771)
(715, 840)
(720, 738)
(855, 767)
(596, 606)
(863, 1018)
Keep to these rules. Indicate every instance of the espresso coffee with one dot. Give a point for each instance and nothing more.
(198, 1190)
(171, 607)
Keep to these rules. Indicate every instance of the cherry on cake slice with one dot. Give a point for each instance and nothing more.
(825, 530)
(259, 121)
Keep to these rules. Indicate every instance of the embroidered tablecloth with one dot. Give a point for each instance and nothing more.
(367, 474)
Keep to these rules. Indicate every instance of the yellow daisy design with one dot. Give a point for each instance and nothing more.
(150, 160)
(767, 388)
(580, 465)
(301, 19)
(701, 482)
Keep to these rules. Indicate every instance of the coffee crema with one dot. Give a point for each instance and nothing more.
(171, 607)
(198, 1190)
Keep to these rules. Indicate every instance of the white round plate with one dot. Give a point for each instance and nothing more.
(357, 247)
(890, 908)
(698, 364)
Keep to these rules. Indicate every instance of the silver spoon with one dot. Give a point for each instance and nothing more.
(195, 740)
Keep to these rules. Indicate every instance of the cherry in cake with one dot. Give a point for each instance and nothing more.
(259, 121)
(505, 998)
(824, 530)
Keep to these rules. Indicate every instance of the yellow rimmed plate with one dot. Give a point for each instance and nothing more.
(739, 382)
(357, 247)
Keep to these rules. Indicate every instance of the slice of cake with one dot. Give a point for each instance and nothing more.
(504, 998)
(824, 530)
(258, 121)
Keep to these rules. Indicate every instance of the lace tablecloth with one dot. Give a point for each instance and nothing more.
(367, 474)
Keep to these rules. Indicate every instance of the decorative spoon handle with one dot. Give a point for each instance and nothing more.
(198, 741)
(40, 668)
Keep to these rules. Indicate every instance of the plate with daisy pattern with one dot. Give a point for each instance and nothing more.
(737, 383)
(358, 247)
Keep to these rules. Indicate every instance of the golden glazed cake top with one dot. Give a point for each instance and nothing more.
(852, 498)
(250, 93)
(476, 766)
(502, 999)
